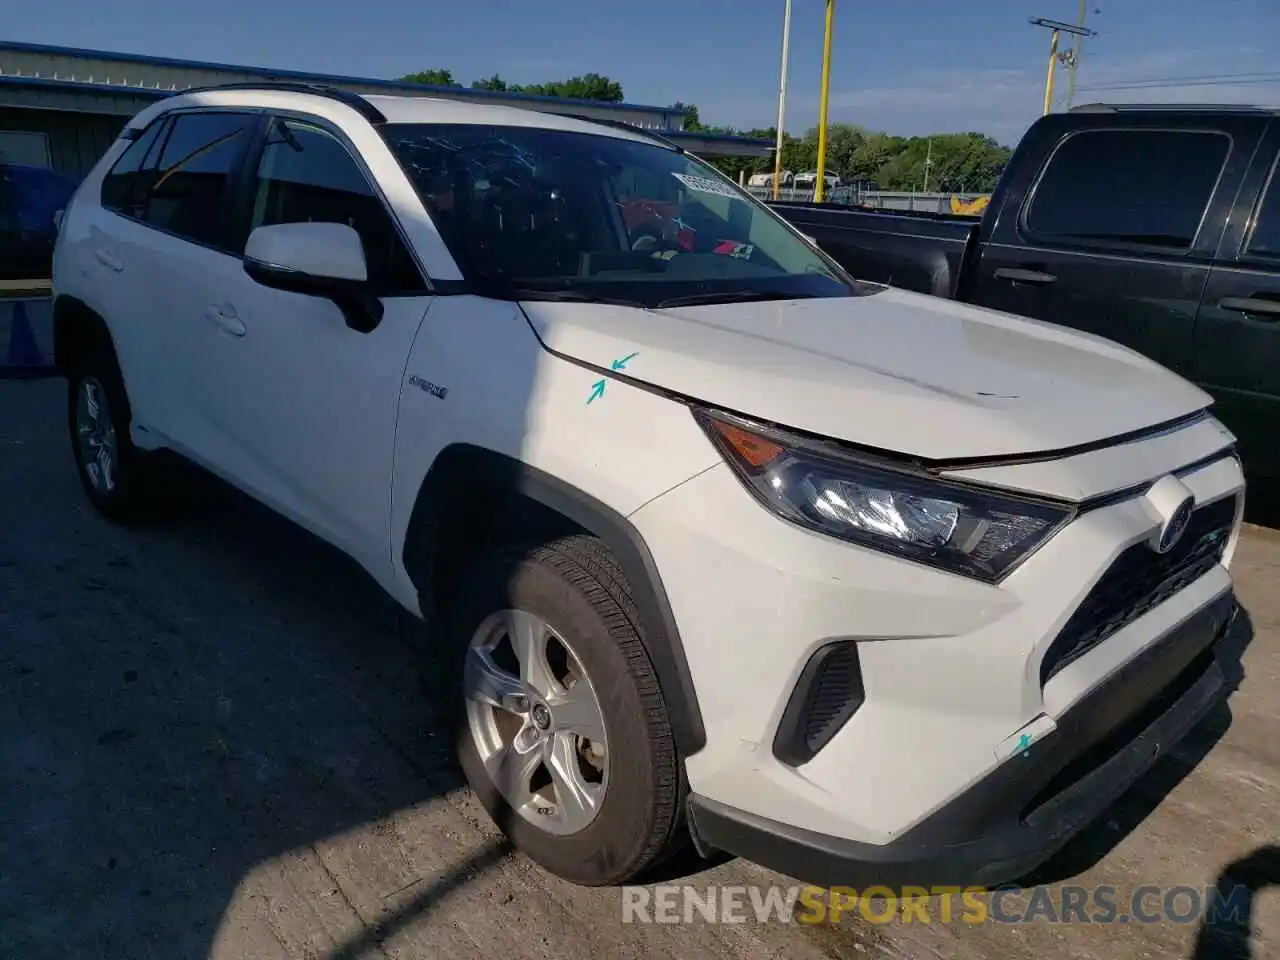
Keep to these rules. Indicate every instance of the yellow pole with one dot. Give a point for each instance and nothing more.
(1048, 82)
(820, 186)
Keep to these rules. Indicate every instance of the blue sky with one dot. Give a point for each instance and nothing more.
(907, 66)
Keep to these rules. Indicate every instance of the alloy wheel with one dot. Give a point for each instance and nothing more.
(96, 436)
(536, 722)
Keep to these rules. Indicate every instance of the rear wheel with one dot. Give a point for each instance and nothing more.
(117, 477)
(562, 731)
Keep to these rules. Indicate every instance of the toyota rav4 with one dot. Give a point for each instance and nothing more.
(714, 542)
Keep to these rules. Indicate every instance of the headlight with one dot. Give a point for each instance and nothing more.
(975, 531)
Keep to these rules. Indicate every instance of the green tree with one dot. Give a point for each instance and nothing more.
(589, 86)
(692, 123)
(800, 153)
(905, 169)
(956, 162)
(970, 162)
(872, 154)
(434, 78)
(494, 83)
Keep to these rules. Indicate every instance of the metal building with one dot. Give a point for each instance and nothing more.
(61, 107)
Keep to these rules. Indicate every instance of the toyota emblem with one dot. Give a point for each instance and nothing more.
(1176, 525)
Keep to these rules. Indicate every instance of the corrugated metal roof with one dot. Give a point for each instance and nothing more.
(747, 146)
(336, 79)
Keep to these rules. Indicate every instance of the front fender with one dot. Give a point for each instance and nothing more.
(461, 468)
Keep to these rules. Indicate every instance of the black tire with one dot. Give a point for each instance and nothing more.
(134, 497)
(574, 584)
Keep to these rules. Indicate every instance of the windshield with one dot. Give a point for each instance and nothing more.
(558, 214)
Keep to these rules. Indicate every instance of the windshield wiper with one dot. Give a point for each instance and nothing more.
(501, 290)
(730, 296)
(568, 296)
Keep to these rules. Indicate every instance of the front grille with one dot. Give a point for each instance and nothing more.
(1139, 580)
(827, 694)
(1122, 736)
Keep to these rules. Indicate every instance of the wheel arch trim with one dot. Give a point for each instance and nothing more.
(464, 467)
(66, 308)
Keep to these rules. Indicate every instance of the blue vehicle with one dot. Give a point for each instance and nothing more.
(29, 199)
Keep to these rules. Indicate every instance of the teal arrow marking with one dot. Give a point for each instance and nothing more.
(1024, 741)
(597, 388)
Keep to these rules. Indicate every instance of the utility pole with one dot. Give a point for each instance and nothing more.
(782, 99)
(820, 187)
(928, 162)
(1057, 28)
(1074, 62)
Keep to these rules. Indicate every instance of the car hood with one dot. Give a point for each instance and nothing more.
(893, 370)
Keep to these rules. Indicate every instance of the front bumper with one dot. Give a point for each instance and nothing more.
(1027, 809)
(913, 749)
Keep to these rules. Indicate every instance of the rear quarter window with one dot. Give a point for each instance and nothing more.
(121, 187)
(1264, 241)
(1133, 187)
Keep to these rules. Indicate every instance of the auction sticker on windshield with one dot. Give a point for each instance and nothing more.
(703, 185)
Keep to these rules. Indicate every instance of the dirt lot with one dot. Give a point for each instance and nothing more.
(213, 744)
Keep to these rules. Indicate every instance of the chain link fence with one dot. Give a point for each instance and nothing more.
(950, 203)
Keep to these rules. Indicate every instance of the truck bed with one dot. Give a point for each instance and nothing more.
(912, 250)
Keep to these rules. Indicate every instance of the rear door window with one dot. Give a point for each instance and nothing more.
(1133, 187)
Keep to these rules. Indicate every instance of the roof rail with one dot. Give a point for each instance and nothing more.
(1172, 108)
(352, 100)
(630, 128)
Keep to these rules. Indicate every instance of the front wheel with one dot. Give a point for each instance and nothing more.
(563, 732)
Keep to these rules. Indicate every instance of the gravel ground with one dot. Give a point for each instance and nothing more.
(213, 744)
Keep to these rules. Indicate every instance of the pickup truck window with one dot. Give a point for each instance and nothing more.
(1138, 187)
(587, 215)
(1265, 240)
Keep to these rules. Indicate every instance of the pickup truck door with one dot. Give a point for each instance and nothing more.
(1237, 335)
(1114, 234)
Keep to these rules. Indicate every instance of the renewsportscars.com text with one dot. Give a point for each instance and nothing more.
(1064, 903)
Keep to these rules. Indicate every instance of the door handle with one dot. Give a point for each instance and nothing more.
(1017, 275)
(1264, 309)
(228, 322)
(108, 260)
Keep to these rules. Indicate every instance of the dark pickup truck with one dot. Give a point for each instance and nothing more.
(1155, 226)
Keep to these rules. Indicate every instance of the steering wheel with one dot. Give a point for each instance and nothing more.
(649, 240)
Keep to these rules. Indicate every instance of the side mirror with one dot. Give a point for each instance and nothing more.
(317, 259)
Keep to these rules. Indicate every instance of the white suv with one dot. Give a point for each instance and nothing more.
(715, 541)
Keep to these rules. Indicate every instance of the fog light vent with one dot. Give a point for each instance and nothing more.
(827, 694)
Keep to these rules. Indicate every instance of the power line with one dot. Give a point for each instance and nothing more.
(1156, 83)
(1222, 82)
